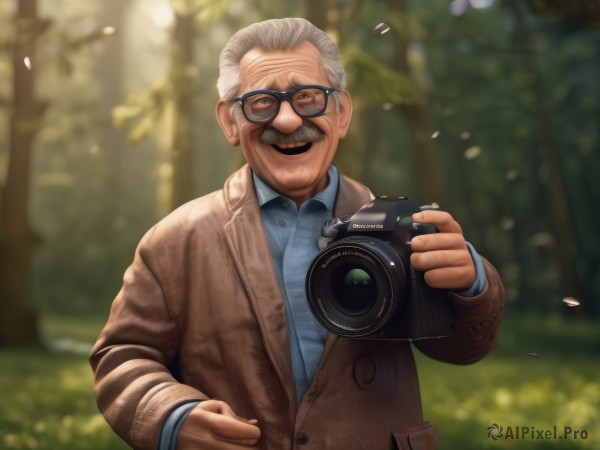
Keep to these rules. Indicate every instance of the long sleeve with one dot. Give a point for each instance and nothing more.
(172, 425)
(135, 354)
(477, 323)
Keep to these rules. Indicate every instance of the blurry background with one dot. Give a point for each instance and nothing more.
(490, 108)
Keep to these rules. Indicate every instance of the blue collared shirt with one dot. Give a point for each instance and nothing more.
(293, 235)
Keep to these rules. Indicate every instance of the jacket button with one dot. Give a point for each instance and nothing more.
(365, 371)
(302, 439)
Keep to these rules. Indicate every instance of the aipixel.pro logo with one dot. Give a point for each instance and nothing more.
(495, 432)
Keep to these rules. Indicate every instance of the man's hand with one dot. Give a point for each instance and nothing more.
(212, 425)
(443, 256)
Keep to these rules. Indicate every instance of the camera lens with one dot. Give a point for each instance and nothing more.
(355, 285)
(353, 289)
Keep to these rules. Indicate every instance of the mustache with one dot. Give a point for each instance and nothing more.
(304, 133)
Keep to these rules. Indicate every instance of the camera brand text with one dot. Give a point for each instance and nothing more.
(376, 226)
(346, 253)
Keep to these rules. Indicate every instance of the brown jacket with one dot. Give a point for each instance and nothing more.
(200, 315)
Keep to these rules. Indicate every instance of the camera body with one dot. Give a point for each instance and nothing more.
(362, 285)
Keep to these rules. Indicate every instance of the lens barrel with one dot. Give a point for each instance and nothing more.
(356, 285)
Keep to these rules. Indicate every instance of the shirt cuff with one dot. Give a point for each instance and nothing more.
(480, 277)
(170, 429)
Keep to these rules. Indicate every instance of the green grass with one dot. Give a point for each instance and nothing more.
(46, 401)
(543, 373)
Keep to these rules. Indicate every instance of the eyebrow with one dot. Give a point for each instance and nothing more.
(295, 82)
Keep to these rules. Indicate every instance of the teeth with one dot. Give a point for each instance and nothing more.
(295, 145)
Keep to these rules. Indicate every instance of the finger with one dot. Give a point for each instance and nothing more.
(220, 420)
(233, 430)
(450, 278)
(438, 241)
(441, 259)
(442, 220)
(224, 409)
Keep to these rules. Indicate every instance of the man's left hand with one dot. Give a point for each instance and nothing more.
(443, 256)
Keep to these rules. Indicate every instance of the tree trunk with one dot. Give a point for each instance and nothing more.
(315, 11)
(18, 321)
(559, 212)
(427, 174)
(182, 141)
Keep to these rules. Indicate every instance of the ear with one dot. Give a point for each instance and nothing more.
(345, 113)
(227, 123)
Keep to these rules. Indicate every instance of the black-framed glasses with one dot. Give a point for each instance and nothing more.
(262, 106)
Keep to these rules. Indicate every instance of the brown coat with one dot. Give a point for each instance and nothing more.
(200, 315)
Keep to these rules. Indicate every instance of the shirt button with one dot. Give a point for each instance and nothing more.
(282, 222)
(302, 439)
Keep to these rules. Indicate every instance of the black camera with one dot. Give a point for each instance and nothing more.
(362, 285)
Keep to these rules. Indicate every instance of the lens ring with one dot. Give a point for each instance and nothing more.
(375, 257)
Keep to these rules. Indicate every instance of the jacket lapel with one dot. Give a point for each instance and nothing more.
(249, 246)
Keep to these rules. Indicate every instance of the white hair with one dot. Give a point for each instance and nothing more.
(277, 34)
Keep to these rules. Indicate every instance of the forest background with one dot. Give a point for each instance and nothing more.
(489, 108)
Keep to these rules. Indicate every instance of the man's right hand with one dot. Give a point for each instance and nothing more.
(212, 425)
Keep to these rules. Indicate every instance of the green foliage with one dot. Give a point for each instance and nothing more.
(374, 80)
(94, 195)
(489, 106)
(142, 112)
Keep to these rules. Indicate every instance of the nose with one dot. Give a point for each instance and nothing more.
(286, 121)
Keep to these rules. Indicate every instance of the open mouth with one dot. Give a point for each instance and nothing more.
(289, 151)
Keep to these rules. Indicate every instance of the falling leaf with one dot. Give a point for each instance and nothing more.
(532, 354)
(507, 223)
(435, 134)
(27, 62)
(512, 175)
(481, 4)
(473, 152)
(465, 135)
(381, 28)
(542, 239)
(571, 302)
(458, 7)
(108, 31)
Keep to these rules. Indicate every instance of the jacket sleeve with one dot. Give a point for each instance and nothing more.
(477, 323)
(134, 357)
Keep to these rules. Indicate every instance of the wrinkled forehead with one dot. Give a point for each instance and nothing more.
(281, 69)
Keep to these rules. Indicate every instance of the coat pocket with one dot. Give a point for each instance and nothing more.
(423, 437)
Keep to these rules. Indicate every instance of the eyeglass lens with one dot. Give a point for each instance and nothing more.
(305, 102)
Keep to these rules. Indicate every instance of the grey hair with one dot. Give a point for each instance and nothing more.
(277, 34)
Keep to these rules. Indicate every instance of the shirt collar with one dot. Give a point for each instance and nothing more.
(265, 193)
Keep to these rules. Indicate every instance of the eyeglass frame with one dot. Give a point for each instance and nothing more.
(285, 96)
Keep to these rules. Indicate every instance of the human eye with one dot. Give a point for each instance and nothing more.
(307, 96)
(309, 101)
(261, 102)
